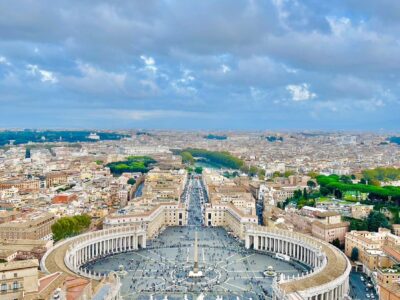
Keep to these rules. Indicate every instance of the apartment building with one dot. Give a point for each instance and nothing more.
(18, 279)
(35, 226)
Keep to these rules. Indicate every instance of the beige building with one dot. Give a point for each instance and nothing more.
(231, 204)
(21, 184)
(229, 217)
(376, 249)
(360, 211)
(389, 291)
(328, 226)
(36, 226)
(159, 206)
(18, 279)
(396, 229)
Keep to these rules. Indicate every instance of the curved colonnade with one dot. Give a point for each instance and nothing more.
(327, 280)
(70, 255)
(329, 277)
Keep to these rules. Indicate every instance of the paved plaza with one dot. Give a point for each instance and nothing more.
(161, 271)
(162, 268)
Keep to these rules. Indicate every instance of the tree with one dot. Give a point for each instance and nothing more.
(69, 226)
(277, 174)
(336, 243)
(131, 181)
(338, 194)
(311, 184)
(187, 157)
(359, 225)
(354, 254)
(198, 170)
(324, 191)
(346, 179)
(305, 194)
(288, 173)
(312, 174)
(297, 194)
(376, 220)
(253, 171)
(261, 174)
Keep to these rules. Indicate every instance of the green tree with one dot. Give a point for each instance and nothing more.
(253, 171)
(297, 194)
(187, 157)
(346, 179)
(336, 243)
(277, 174)
(70, 226)
(261, 174)
(313, 174)
(324, 191)
(288, 173)
(198, 170)
(338, 194)
(375, 220)
(305, 194)
(311, 184)
(131, 181)
(359, 225)
(354, 254)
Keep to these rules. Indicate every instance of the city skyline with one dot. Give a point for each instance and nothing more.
(243, 65)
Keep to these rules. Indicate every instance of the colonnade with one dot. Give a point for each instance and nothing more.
(286, 246)
(101, 243)
(306, 250)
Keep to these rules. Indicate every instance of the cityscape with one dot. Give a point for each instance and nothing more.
(199, 150)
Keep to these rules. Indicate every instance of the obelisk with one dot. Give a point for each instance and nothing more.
(196, 255)
(196, 273)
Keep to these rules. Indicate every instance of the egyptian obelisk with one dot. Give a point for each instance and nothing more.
(196, 255)
(196, 272)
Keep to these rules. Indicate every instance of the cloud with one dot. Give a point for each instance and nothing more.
(124, 56)
(225, 69)
(300, 92)
(45, 76)
(4, 61)
(150, 63)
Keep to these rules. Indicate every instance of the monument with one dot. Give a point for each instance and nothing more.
(196, 273)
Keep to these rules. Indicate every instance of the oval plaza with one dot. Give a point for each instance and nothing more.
(205, 245)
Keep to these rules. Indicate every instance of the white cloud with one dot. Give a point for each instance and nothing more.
(149, 62)
(45, 76)
(300, 92)
(4, 61)
(339, 25)
(225, 69)
(183, 86)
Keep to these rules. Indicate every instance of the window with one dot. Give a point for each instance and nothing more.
(15, 285)
(4, 287)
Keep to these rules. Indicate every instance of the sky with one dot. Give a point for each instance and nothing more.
(213, 65)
